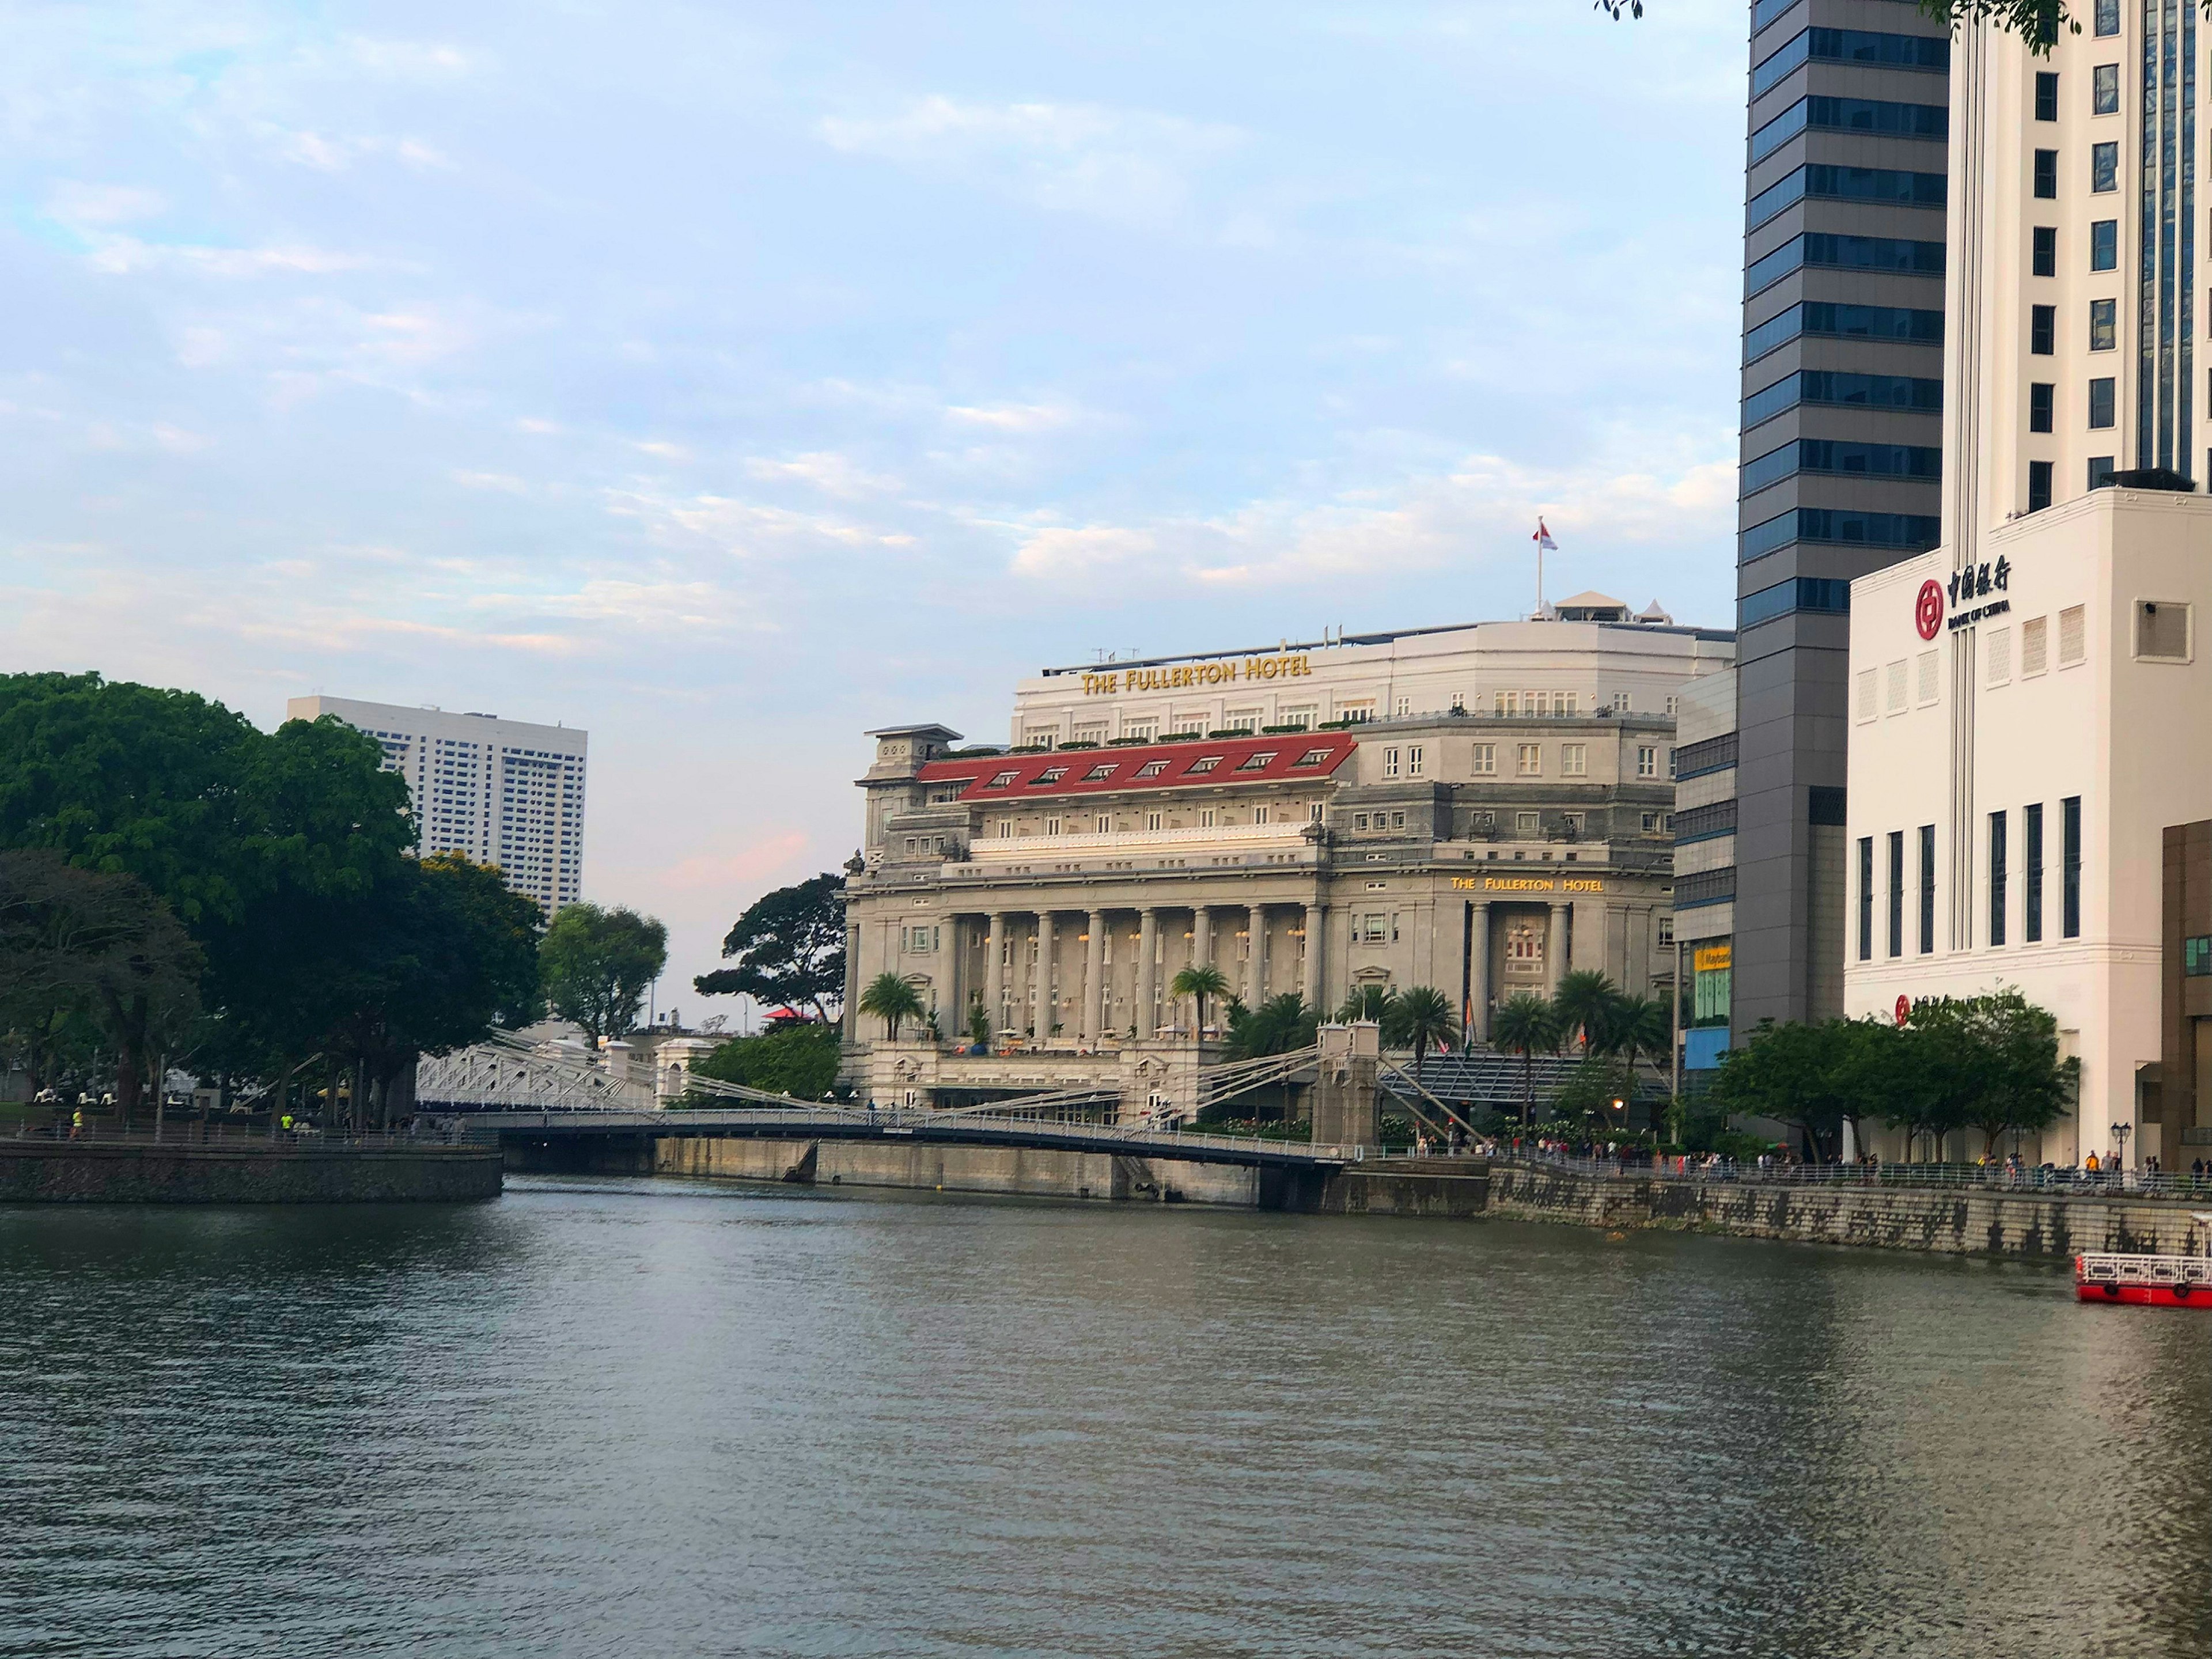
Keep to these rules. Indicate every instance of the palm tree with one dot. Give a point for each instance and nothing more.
(1640, 1026)
(1367, 1002)
(1524, 1025)
(891, 999)
(1276, 1027)
(1420, 1019)
(1200, 981)
(1585, 1002)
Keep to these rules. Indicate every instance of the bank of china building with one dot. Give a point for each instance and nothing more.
(2030, 707)
(1475, 809)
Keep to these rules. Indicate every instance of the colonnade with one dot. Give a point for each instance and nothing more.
(1024, 988)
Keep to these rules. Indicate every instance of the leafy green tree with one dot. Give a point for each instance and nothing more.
(790, 949)
(1987, 1062)
(1811, 1076)
(98, 945)
(1199, 982)
(1419, 1019)
(1277, 1026)
(2038, 22)
(1592, 1087)
(799, 1060)
(893, 1002)
(597, 965)
(1367, 1002)
(1584, 1003)
(1522, 1025)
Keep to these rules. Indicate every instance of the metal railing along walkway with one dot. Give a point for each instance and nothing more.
(1954, 1178)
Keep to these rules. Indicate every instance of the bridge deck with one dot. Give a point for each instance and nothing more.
(903, 1128)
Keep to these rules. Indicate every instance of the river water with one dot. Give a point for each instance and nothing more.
(664, 1419)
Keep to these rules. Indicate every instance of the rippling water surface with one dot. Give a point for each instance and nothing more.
(650, 1418)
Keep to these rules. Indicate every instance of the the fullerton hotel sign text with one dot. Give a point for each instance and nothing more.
(1218, 672)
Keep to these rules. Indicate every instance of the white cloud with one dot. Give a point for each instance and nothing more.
(123, 256)
(661, 447)
(1478, 512)
(1011, 417)
(407, 59)
(1133, 166)
(328, 154)
(77, 205)
(831, 473)
(504, 481)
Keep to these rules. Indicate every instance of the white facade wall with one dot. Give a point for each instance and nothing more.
(507, 792)
(1545, 667)
(2009, 723)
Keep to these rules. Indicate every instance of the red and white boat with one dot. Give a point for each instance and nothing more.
(2155, 1281)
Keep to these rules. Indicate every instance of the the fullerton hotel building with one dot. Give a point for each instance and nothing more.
(1477, 809)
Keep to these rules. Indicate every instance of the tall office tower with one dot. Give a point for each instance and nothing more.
(499, 792)
(1843, 346)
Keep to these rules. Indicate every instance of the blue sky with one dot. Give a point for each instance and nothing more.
(730, 379)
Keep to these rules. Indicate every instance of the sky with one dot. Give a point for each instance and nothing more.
(728, 380)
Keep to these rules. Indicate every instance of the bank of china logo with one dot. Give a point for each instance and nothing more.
(1929, 612)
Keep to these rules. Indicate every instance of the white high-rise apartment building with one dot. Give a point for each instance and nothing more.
(499, 792)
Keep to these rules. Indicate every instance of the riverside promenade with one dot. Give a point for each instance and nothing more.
(137, 1168)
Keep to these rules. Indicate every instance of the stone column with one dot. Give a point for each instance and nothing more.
(1555, 950)
(1478, 973)
(1041, 992)
(1148, 940)
(995, 972)
(1255, 975)
(1094, 978)
(1311, 986)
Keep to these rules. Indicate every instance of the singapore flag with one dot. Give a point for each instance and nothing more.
(1543, 538)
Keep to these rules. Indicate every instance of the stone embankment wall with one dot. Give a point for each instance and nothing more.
(79, 1172)
(1005, 1170)
(1973, 1222)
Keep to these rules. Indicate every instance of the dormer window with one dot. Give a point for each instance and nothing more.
(1152, 768)
(1203, 763)
(1313, 757)
(1000, 780)
(1051, 774)
(1258, 762)
(1098, 774)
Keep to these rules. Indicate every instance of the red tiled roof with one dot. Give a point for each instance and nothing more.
(1289, 756)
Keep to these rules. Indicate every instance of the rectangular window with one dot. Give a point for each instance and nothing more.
(1893, 686)
(2197, 956)
(1897, 892)
(2047, 174)
(1926, 889)
(2101, 471)
(1416, 760)
(2031, 885)
(1525, 824)
(2043, 255)
(1485, 760)
(1207, 817)
(2108, 17)
(2034, 646)
(1866, 694)
(2162, 630)
(1647, 762)
(2104, 89)
(2073, 637)
(2104, 166)
(1389, 763)
(2039, 396)
(2103, 324)
(2101, 401)
(1263, 815)
(2105, 245)
(1866, 898)
(1999, 663)
(2043, 329)
(2070, 867)
(2038, 485)
(1574, 760)
(1531, 763)
(1105, 825)
(2046, 95)
(1153, 820)
(1996, 879)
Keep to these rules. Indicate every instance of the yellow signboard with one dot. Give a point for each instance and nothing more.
(1711, 958)
(1126, 682)
(1527, 885)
